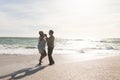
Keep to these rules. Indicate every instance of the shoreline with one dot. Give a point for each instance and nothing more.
(67, 64)
(6, 59)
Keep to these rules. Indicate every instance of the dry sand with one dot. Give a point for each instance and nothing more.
(67, 67)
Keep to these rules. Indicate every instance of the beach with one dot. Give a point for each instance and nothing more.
(67, 67)
(83, 37)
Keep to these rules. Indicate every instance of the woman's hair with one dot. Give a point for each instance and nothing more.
(40, 32)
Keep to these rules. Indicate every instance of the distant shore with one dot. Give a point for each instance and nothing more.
(67, 67)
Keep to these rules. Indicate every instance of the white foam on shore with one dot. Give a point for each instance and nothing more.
(19, 51)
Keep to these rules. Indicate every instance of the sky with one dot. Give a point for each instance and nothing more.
(68, 18)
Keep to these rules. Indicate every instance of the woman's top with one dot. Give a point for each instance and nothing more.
(41, 43)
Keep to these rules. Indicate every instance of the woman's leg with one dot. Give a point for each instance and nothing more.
(43, 54)
(40, 60)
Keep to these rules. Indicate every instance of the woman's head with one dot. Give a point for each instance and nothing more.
(41, 33)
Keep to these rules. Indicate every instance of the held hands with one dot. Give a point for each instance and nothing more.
(45, 35)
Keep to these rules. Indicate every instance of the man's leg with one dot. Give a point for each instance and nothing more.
(50, 50)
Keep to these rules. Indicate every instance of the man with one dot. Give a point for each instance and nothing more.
(50, 44)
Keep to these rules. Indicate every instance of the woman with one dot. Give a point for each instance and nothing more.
(41, 46)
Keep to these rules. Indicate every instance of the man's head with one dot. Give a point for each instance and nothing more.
(51, 32)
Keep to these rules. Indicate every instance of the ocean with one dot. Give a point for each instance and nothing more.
(28, 46)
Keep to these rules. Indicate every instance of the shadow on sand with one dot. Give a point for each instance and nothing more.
(23, 72)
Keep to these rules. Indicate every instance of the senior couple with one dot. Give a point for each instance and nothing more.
(43, 39)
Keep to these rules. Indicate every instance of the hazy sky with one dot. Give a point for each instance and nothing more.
(68, 18)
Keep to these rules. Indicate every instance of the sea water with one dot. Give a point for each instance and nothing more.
(28, 46)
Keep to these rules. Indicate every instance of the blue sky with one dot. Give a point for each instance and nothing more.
(68, 18)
